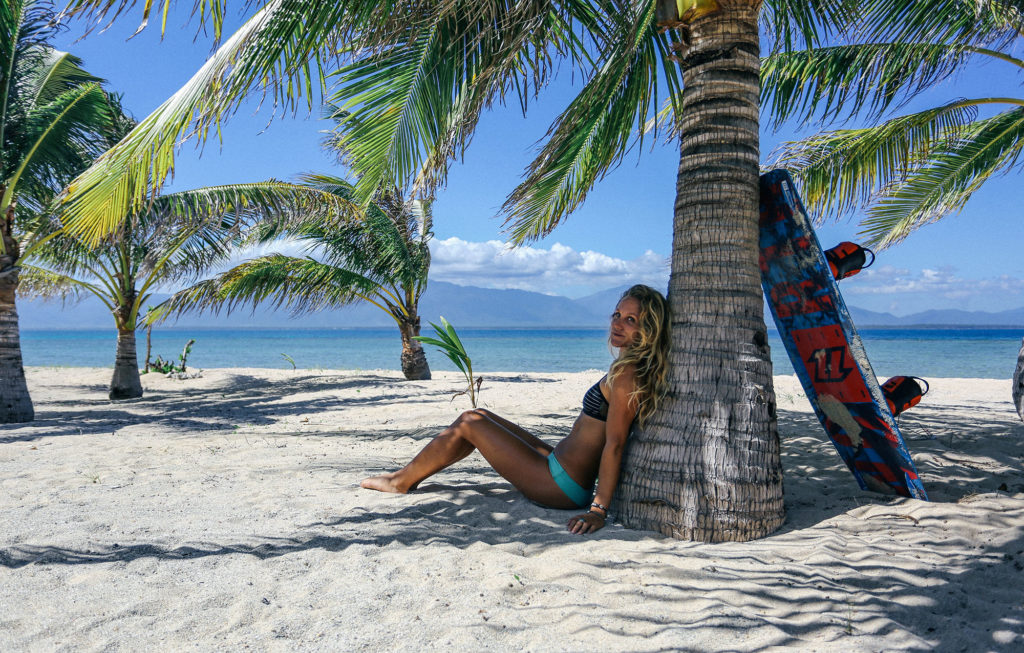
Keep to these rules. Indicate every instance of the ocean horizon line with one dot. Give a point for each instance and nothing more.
(859, 327)
(957, 352)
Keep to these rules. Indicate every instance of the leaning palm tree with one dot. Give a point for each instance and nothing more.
(905, 170)
(381, 258)
(178, 237)
(418, 75)
(50, 114)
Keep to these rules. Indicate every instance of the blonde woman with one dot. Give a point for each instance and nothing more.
(564, 476)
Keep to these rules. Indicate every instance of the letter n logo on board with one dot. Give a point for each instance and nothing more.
(829, 363)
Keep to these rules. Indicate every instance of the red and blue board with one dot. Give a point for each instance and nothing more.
(823, 345)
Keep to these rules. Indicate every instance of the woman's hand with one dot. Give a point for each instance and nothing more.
(587, 522)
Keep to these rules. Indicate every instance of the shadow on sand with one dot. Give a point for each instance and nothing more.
(954, 449)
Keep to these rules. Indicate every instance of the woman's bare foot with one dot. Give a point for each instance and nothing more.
(385, 483)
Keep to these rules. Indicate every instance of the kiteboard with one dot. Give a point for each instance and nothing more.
(822, 343)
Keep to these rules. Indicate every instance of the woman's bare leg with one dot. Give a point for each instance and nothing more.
(516, 460)
(520, 432)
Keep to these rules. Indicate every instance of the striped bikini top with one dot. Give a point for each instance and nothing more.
(594, 403)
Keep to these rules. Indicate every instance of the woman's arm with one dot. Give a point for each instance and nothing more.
(621, 412)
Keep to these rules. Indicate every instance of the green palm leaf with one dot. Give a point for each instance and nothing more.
(271, 49)
(189, 231)
(844, 80)
(295, 283)
(805, 22)
(448, 342)
(47, 284)
(842, 171)
(993, 22)
(597, 129)
(404, 111)
(58, 71)
(957, 169)
(388, 243)
(53, 129)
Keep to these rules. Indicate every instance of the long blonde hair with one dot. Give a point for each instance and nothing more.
(648, 354)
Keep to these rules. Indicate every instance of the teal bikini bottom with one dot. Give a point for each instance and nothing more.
(576, 493)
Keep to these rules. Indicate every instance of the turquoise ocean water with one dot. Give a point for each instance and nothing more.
(972, 353)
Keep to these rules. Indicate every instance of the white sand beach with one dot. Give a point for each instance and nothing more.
(224, 513)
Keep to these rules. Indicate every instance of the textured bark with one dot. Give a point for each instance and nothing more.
(1018, 382)
(126, 383)
(414, 360)
(149, 347)
(15, 402)
(707, 465)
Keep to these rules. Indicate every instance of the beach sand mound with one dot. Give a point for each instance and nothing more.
(224, 513)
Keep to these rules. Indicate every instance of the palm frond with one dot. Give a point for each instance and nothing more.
(992, 22)
(806, 23)
(272, 50)
(838, 82)
(53, 132)
(384, 242)
(405, 111)
(300, 284)
(208, 12)
(47, 284)
(596, 131)
(841, 171)
(279, 51)
(58, 72)
(246, 204)
(24, 29)
(187, 232)
(11, 13)
(957, 168)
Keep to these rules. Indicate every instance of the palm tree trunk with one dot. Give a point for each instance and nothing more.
(1018, 382)
(126, 383)
(149, 346)
(15, 402)
(414, 360)
(707, 466)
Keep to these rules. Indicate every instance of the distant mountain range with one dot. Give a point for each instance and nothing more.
(462, 306)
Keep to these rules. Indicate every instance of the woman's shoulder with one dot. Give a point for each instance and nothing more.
(622, 376)
(621, 370)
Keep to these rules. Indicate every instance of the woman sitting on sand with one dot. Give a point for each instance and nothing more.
(564, 476)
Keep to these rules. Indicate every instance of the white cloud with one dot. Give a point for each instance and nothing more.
(494, 264)
(941, 282)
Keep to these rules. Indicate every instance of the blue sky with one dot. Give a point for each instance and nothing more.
(622, 234)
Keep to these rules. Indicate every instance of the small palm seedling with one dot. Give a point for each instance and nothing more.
(448, 342)
(169, 367)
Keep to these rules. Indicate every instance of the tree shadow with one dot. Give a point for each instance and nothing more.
(958, 599)
(962, 453)
(455, 514)
(238, 398)
(922, 578)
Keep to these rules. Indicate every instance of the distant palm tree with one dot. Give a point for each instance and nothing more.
(382, 258)
(51, 115)
(179, 237)
(907, 170)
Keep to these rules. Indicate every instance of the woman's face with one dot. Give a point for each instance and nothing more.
(625, 325)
